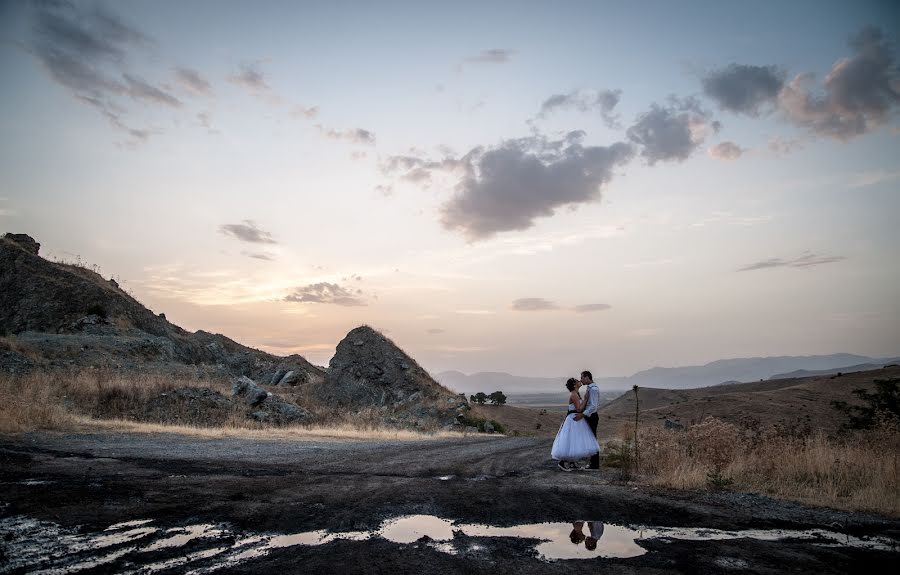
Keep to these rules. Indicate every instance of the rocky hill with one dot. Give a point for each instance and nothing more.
(66, 315)
(55, 315)
(369, 371)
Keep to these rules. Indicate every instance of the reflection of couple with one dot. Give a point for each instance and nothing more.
(595, 528)
(577, 436)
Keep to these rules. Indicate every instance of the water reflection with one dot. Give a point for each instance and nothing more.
(48, 548)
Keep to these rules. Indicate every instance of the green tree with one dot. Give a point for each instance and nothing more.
(479, 398)
(885, 401)
(497, 398)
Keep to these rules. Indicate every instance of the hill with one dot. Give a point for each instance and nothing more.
(792, 401)
(62, 318)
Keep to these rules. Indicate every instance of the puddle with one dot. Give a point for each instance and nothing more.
(182, 535)
(49, 549)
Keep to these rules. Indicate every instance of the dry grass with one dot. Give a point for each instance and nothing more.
(855, 472)
(114, 400)
(297, 432)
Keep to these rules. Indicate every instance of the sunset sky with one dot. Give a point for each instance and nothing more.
(530, 187)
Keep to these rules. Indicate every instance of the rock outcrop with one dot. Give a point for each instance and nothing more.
(369, 371)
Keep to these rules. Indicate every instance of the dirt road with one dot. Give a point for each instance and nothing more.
(450, 506)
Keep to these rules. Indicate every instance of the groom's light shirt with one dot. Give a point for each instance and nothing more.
(592, 400)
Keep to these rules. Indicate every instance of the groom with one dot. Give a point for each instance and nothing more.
(591, 403)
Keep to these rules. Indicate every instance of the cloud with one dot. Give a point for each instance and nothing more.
(602, 101)
(247, 232)
(744, 89)
(492, 56)
(141, 90)
(858, 94)
(783, 146)
(85, 50)
(509, 186)
(307, 112)
(328, 293)
(259, 256)
(672, 132)
(435, 331)
(806, 260)
(356, 135)
(591, 307)
(725, 151)
(250, 76)
(193, 81)
(533, 304)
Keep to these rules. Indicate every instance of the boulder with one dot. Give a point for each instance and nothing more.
(246, 389)
(290, 378)
(276, 377)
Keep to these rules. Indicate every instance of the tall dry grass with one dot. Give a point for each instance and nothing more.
(73, 400)
(858, 471)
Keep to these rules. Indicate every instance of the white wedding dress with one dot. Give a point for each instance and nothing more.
(575, 440)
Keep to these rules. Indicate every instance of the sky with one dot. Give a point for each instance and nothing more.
(529, 187)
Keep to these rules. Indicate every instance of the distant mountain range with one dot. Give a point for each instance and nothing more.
(714, 373)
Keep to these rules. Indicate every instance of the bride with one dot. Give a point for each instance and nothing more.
(575, 440)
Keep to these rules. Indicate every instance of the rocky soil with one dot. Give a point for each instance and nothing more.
(250, 502)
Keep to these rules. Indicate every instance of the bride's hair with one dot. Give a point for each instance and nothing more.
(570, 384)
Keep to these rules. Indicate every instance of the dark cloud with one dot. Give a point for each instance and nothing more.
(590, 307)
(509, 186)
(141, 90)
(806, 260)
(602, 101)
(325, 292)
(355, 135)
(492, 56)
(725, 151)
(247, 232)
(858, 94)
(193, 81)
(250, 76)
(533, 304)
(85, 49)
(744, 89)
(671, 132)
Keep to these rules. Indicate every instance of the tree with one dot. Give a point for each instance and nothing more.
(885, 402)
(479, 398)
(497, 398)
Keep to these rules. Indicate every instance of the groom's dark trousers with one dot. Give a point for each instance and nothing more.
(593, 419)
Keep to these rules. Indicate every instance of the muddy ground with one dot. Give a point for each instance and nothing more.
(62, 492)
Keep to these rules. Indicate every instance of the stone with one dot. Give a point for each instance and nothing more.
(668, 424)
(290, 378)
(247, 390)
(276, 377)
(24, 241)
